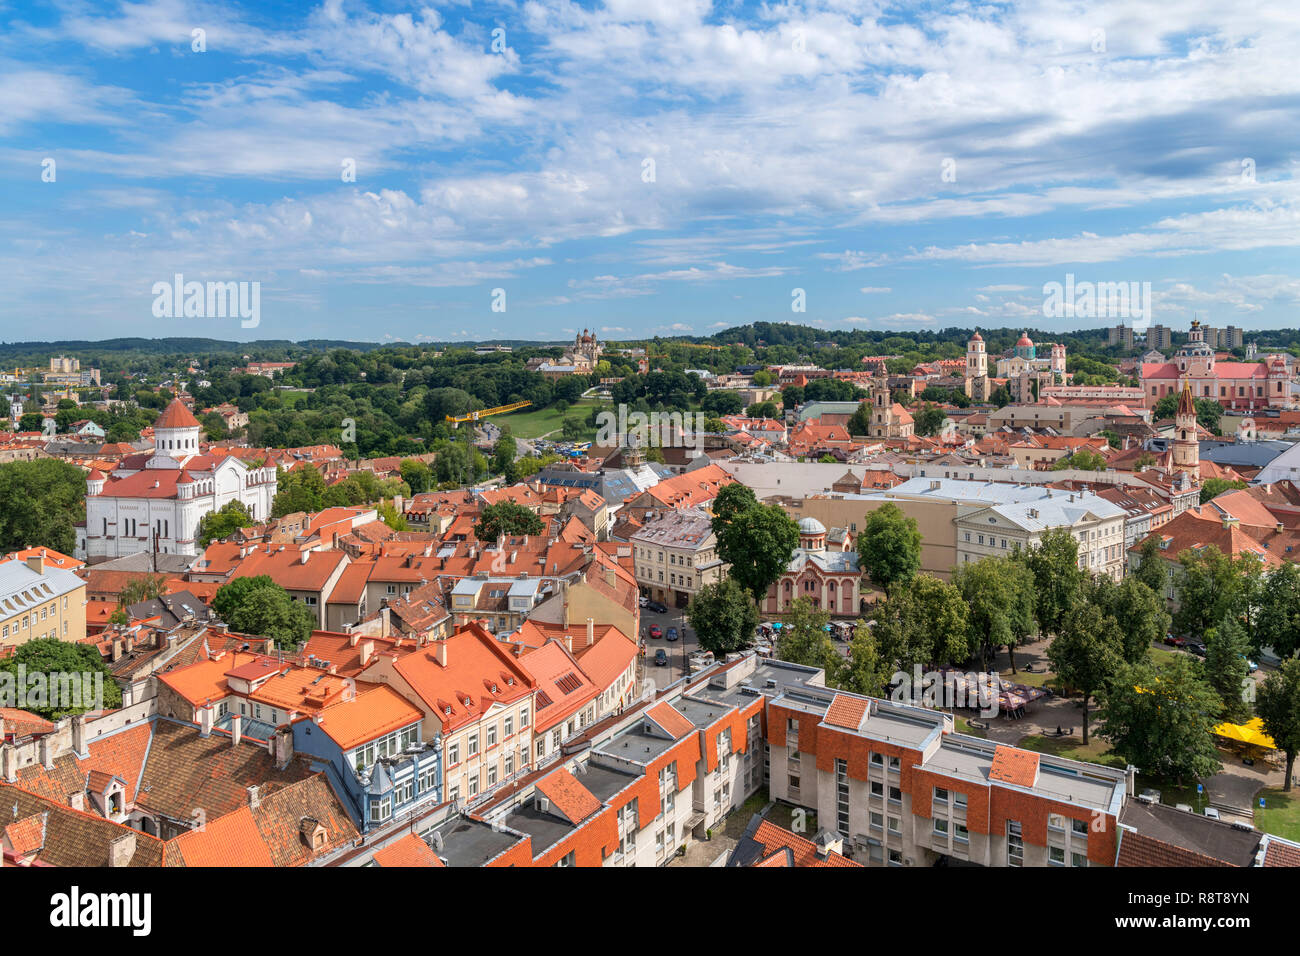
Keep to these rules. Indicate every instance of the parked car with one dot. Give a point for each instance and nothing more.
(661, 657)
(672, 634)
(1196, 648)
(655, 631)
(1212, 813)
(657, 607)
(1175, 641)
(643, 600)
(1250, 665)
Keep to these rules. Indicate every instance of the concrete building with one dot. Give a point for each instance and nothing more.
(40, 601)
(674, 555)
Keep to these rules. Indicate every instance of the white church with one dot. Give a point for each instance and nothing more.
(154, 501)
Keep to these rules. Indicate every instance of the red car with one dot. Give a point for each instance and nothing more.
(655, 631)
(1173, 641)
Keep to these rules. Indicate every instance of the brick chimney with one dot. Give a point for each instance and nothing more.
(79, 736)
(47, 751)
(117, 648)
(254, 797)
(36, 563)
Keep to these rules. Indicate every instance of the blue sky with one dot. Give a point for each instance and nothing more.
(794, 146)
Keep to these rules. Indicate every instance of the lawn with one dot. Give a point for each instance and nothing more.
(1281, 813)
(1030, 678)
(784, 815)
(1072, 748)
(962, 726)
(1162, 655)
(536, 422)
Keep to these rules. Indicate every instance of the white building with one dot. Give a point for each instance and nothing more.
(153, 502)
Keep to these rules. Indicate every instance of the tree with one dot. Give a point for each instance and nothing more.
(390, 516)
(40, 502)
(417, 474)
(257, 605)
(31, 422)
(731, 500)
(803, 638)
(222, 523)
(1152, 570)
(1279, 616)
(137, 590)
(723, 616)
(1209, 586)
(508, 518)
(1278, 705)
(1225, 666)
(302, 489)
(1213, 487)
(889, 546)
(860, 421)
(722, 402)
(57, 661)
(929, 420)
(1138, 612)
(763, 410)
(865, 671)
(453, 465)
(757, 542)
(1084, 459)
(1000, 595)
(923, 623)
(1058, 582)
(1086, 653)
(1161, 718)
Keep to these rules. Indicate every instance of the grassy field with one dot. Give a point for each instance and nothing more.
(534, 423)
(963, 726)
(1072, 748)
(1281, 813)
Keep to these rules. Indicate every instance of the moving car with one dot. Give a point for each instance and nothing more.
(672, 634)
(661, 657)
(655, 631)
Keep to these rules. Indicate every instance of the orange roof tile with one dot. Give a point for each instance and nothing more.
(373, 713)
(670, 719)
(1012, 765)
(846, 711)
(568, 795)
(773, 839)
(410, 850)
(229, 840)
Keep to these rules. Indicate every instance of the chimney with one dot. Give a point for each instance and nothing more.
(77, 801)
(128, 644)
(236, 729)
(122, 849)
(353, 638)
(302, 558)
(36, 563)
(117, 648)
(205, 722)
(1130, 776)
(367, 652)
(47, 751)
(254, 797)
(1280, 527)
(568, 642)
(79, 736)
(440, 653)
(591, 631)
(9, 757)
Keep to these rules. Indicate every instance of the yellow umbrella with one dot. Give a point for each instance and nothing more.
(1231, 731)
(1254, 734)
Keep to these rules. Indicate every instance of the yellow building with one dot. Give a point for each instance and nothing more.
(38, 601)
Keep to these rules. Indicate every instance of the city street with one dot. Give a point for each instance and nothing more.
(678, 651)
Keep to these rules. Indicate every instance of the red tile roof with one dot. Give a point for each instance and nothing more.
(1011, 765)
(410, 850)
(568, 795)
(176, 415)
(1136, 849)
(673, 721)
(803, 852)
(846, 711)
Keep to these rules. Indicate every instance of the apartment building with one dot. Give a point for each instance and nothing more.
(1096, 524)
(38, 600)
(674, 555)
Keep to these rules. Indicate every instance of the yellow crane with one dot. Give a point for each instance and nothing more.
(485, 412)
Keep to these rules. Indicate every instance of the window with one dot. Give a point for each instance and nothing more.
(492, 736)
(1055, 856)
(940, 795)
(877, 788)
(940, 827)
(509, 725)
(492, 776)
(960, 833)
(1015, 844)
(523, 717)
(794, 782)
(473, 744)
(894, 826)
(1079, 827)
(1078, 859)
(895, 795)
(877, 821)
(959, 801)
(453, 754)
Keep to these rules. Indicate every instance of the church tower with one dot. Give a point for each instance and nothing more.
(882, 407)
(977, 368)
(1186, 447)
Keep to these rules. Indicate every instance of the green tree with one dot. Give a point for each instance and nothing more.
(1139, 615)
(999, 593)
(923, 623)
(1225, 666)
(1152, 569)
(508, 518)
(453, 465)
(1278, 705)
(1160, 718)
(860, 421)
(302, 489)
(1279, 616)
(929, 420)
(57, 660)
(865, 671)
(222, 523)
(257, 605)
(416, 474)
(1213, 487)
(1058, 582)
(40, 503)
(1086, 653)
(390, 516)
(136, 591)
(1209, 586)
(803, 638)
(1084, 459)
(731, 500)
(724, 617)
(757, 542)
(889, 546)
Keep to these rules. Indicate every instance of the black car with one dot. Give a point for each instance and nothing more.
(1196, 648)
(661, 657)
(657, 607)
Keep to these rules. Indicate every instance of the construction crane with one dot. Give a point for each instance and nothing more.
(484, 413)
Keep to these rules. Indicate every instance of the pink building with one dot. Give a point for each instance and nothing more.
(830, 579)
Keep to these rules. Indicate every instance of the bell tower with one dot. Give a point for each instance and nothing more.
(1186, 446)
